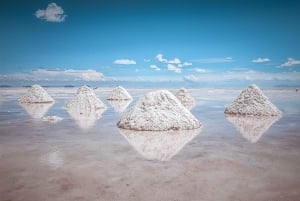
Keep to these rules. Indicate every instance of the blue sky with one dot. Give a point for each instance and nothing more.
(201, 42)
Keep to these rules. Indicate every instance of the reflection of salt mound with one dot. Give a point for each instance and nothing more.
(252, 127)
(36, 110)
(158, 111)
(36, 94)
(185, 98)
(53, 159)
(85, 107)
(52, 119)
(119, 105)
(252, 101)
(119, 93)
(159, 145)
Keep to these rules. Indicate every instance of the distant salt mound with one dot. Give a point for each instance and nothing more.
(119, 93)
(85, 107)
(158, 111)
(119, 105)
(252, 101)
(159, 145)
(52, 119)
(36, 94)
(252, 127)
(36, 110)
(185, 98)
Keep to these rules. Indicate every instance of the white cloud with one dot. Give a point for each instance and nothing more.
(290, 62)
(124, 61)
(200, 70)
(56, 75)
(147, 60)
(155, 67)
(214, 60)
(53, 13)
(161, 58)
(174, 68)
(174, 61)
(261, 60)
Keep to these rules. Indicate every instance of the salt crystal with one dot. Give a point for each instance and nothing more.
(158, 111)
(252, 101)
(36, 94)
(119, 93)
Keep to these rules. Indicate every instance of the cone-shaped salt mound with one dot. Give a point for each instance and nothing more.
(185, 98)
(158, 111)
(252, 101)
(119, 93)
(159, 145)
(252, 127)
(36, 94)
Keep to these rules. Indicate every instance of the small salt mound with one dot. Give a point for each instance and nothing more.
(36, 94)
(85, 107)
(52, 119)
(119, 93)
(252, 127)
(36, 110)
(119, 105)
(185, 98)
(159, 145)
(158, 111)
(252, 101)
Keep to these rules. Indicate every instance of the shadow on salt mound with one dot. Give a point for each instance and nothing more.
(85, 120)
(252, 127)
(185, 98)
(159, 145)
(36, 110)
(119, 105)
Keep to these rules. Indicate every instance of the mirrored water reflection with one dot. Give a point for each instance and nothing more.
(159, 145)
(252, 127)
(36, 110)
(53, 159)
(87, 119)
(119, 105)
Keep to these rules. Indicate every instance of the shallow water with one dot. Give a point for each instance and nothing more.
(91, 159)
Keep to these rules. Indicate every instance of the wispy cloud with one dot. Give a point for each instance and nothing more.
(124, 61)
(214, 60)
(155, 67)
(174, 61)
(160, 57)
(261, 60)
(147, 60)
(53, 13)
(56, 75)
(174, 68)
(200, 70)
(290, 62)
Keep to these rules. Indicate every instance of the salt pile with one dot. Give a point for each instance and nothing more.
(52, 119)
(119, 93)
(158, 111)
(159, 145)
(36, 110)
(252, 101)
(185, 98)
(252, 127)
(36, 94)
(119, 105)
(85, 107)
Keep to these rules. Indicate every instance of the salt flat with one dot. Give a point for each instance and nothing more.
(63, 161)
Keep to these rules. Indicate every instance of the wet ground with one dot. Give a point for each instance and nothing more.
(90, 159)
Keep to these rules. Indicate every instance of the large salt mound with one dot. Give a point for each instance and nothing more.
(158, 111)
(85, 107)
(159, 145)
(36, 94)
(252, 101)
(185, 98)
(252, 127)
(119, 93)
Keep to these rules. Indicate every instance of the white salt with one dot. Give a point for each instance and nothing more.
(185, 98)
(119, 105)
(52, 119)
(158, 111)
(252, 101)
(36, 94)
(119, 93)
(252, 127)
(159, 145)
(36, 110)
(85, 108)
